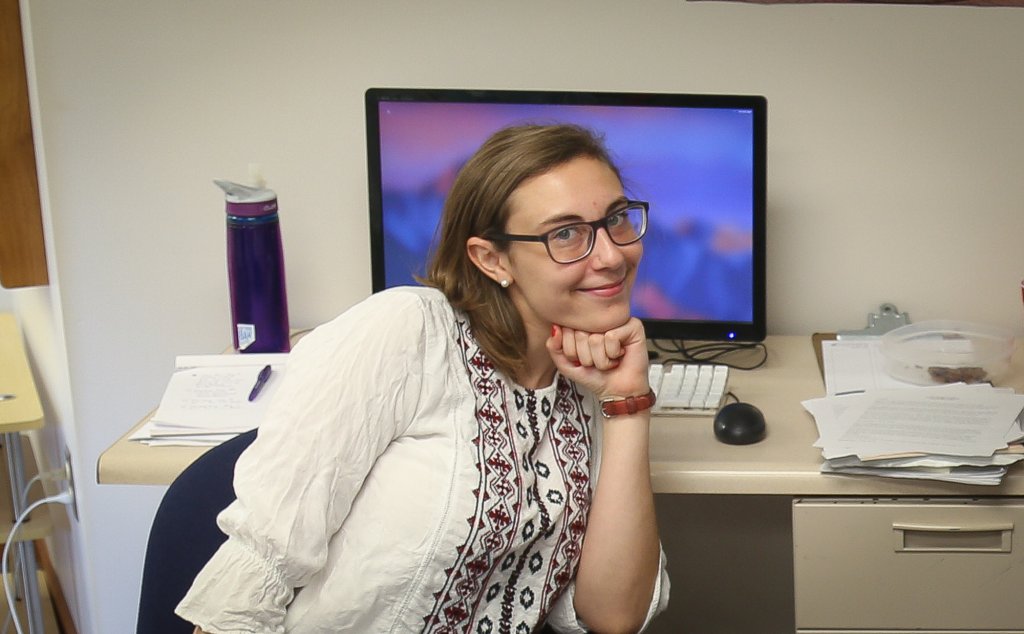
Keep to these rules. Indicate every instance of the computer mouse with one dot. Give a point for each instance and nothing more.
(739, 424)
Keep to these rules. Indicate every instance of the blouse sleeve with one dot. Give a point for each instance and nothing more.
(350, 387)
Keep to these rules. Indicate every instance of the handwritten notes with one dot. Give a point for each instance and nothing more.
(206, 399)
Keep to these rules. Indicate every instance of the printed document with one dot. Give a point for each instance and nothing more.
(956, 420)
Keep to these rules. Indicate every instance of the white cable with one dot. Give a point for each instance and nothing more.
(53, 475)
(57, 475)
(14, 575)
(64, 498)
(28, 487)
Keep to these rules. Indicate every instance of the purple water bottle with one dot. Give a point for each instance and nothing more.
(259, 304)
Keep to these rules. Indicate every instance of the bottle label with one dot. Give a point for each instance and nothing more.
(246, 335)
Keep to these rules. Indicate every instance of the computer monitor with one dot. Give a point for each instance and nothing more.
(699, 160)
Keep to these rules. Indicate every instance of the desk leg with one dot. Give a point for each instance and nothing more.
(29, 582)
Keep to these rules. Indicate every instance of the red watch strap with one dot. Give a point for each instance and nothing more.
(622, 406)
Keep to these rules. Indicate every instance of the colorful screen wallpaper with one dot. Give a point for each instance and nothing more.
(693, 165)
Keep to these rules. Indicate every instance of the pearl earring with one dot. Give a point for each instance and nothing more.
(505, 283)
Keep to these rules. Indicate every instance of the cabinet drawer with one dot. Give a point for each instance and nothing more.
(908, 564)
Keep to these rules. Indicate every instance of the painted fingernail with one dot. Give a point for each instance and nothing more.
(554, 330)
(577, 363)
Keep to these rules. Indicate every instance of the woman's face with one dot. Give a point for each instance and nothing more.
(592, 294)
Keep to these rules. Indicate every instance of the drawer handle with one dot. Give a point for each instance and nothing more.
(930, 538)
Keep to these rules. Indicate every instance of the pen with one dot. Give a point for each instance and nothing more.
(261, 380)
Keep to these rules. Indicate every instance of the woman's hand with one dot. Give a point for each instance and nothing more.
(612, 363)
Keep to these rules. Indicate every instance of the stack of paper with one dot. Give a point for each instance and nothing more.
(871, 424)
(957, 433)
(207, 399)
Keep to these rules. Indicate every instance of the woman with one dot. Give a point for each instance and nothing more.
(436, 459)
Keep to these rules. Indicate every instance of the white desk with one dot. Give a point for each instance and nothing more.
(685, 457)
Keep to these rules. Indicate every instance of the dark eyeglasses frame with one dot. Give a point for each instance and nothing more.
(600, 223)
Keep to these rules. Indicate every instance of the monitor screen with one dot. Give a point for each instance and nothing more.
(699, 160)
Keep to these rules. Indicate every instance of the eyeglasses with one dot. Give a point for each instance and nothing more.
(574, 241)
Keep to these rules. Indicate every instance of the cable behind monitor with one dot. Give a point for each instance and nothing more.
(717, 352)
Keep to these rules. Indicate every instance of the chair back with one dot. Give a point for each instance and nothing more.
(185, 535)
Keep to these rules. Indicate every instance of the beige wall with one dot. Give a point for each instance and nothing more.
(895, 154)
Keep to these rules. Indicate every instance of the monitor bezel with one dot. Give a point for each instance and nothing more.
(680, 330)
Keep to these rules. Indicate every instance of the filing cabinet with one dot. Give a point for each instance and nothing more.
(900, 565)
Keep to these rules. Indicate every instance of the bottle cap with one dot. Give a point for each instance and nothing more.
(243, 200)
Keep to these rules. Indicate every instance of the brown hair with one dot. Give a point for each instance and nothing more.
(478, 204)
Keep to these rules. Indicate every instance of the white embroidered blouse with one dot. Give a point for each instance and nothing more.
(400, 483)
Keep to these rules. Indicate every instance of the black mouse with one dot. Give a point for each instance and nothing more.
(739, 424)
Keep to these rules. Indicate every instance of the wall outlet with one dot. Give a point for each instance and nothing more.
(70, 482)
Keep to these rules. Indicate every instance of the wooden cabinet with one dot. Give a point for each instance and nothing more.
(22, 250)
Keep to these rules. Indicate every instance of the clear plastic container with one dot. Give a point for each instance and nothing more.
(942, 351)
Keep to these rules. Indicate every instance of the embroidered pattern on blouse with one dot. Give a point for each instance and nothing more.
(511, 542)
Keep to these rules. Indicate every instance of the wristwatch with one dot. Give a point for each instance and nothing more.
(623, 405)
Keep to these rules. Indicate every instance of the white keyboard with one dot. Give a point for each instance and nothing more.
(688, 389)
